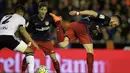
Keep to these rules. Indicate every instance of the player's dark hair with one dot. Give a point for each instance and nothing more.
(19, 7)
(43, 4)
(119, 19)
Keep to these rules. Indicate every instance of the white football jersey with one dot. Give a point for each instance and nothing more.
(9, 24)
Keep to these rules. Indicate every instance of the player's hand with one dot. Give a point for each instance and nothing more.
(73, 13)
(56, 18)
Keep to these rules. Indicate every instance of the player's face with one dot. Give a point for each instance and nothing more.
(42, 11)
(114, 22)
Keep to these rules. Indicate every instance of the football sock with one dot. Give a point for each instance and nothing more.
(90, 60)
(28, 61)
(60, 33)
(59, 29)
(56, 66)
(24, 65)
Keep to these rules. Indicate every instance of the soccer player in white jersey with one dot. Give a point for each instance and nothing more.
(9, 24)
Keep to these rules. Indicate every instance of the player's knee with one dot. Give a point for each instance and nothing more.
(90, 51)
(22, 47)
(63, 44)
(28, 50)
(29, 53)
(89, 48)
(53, 57)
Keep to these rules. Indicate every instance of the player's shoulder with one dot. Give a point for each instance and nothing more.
(34, 16)
(102, 16)
(49, 17)
(18, 16)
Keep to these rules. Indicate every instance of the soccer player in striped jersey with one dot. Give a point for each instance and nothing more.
(80, 30)
(39, 28)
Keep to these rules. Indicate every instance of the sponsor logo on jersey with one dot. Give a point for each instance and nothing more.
(3, 28)
(43, 28)
(46, 22)
(86, 18)
(36, 23)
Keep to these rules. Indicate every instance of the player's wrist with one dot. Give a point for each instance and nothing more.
(58, 23)
(77, 13)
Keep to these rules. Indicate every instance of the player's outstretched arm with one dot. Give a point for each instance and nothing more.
(57, 19)
(27, 36)
(85, 12)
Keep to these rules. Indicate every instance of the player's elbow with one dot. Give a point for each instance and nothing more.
(22, 29)
(93, 13)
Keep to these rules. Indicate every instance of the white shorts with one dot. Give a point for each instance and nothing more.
(21, 47)
(12, 43)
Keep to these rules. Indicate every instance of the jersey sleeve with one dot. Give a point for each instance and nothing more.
(86, 20)
(52, 21)
(103, 20)
(22, 22)
(30, 26)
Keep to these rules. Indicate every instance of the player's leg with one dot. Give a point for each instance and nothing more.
(64, 43)
(60, 33)
(55, 63)
(2, 42)
(90, 57)
(48, 49)
(89, 50)
(28, 61)
(21, 47)
(70, 36)
(24, 64)
(85, 39)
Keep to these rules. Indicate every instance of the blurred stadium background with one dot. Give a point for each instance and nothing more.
(111, 46)
(119, 37)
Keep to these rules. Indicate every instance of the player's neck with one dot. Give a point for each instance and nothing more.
(41, 16)
(18, 14)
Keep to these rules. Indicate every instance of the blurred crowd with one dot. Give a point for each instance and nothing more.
(62, 7)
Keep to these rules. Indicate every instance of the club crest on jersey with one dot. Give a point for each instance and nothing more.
(101, 16)
(46, 22)
(36, 23)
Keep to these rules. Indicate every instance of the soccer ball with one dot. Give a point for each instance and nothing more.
(42, 69)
